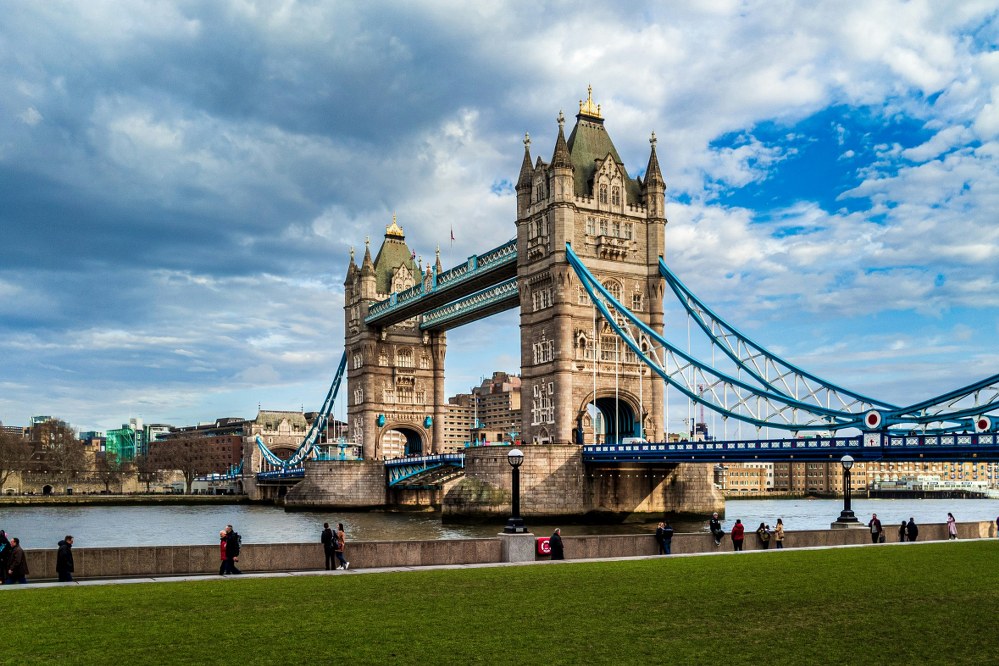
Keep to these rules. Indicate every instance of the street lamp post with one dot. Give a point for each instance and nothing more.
(846, 516)
(515, 524)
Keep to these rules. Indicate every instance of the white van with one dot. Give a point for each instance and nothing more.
(634, 440)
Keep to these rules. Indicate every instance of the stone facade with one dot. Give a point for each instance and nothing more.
(354, 484)
(395, 375)
(571, 359)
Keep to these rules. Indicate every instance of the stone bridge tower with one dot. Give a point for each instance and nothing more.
(580, 383)
(395, 374)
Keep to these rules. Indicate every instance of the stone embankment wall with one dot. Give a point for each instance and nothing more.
(179, 560)
(356, 484)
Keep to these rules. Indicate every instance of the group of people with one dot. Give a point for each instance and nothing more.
(14, 564)
(333, 543)
(230, 543)
(664, 537)
(764, 534)
(909, 531)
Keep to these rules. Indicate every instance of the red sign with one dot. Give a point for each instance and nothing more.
(544, 546)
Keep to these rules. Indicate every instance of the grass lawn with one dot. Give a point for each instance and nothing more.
(923, 603)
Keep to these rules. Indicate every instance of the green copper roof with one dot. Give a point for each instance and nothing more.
(589, 141)
(393, 254)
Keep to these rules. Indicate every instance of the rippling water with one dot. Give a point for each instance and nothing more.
(95, 526)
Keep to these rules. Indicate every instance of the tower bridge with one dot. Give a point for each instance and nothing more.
(586, 271)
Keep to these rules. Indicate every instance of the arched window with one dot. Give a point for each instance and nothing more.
(614, 288)
(404, 358)
(603, 194)
(616, 196)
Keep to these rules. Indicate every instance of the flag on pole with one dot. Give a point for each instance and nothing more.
(452, 234)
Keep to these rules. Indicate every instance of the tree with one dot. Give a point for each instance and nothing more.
(58, 450)
(147, 470)
(15, 454)
(183, 455)
(108, 469)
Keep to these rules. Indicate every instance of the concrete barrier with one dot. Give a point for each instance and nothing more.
(181, 560)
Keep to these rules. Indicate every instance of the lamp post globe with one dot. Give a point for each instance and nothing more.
(846, 516)
(515, 524)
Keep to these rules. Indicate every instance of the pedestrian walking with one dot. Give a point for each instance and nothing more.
(763, 536)
(223, 569)
(738, 534)
(64, 560)
(902, 531)
(17, 567)
(779, 534)
(668, 537)
(911, 531)
(341, 541)
(877, 532)
(233, 544)
(951, 526)
(555, 544)
(327, 541)
(716, 529)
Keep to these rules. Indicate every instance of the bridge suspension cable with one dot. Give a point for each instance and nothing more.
(306, 448)
(777, 401)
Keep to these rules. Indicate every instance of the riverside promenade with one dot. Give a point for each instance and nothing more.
(163, 563)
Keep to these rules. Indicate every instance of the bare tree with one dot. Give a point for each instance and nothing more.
(183, 455)
(109, 469)
(57, 449)
(147, 470)
(15, 455)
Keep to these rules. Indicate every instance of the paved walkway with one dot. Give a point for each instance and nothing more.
(437, 567)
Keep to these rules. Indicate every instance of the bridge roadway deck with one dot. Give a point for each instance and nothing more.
(872, 447)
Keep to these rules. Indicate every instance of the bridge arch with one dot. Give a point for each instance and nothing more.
(412, 438)
(608, 418)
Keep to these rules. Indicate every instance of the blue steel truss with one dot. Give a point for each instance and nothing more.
(404, 469)
(773, 403)
(475, 273)
(491, 300)
(307, 447)
(871, 447)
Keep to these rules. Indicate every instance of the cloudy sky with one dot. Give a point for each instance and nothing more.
(181, 182)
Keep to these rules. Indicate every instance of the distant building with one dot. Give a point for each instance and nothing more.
(208, 448)
(490, 413)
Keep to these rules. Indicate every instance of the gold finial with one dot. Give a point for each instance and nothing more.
(367, 242)
(352, 253)
(394, 229)
(561, 118)
(652, 139)
(589, 108)
(527, 140)
(438, 250)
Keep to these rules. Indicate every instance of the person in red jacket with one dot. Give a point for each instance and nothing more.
(738, 534)
(222, 571)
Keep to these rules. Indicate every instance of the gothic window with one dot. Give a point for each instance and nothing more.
(616, 196)
(405, 396)
(357, 361)
(636, 301)
(582, 297)
(628, 230)
(614, 289)
(424, 362)
(539, 192)
(603, 194)
(404, 358)
(544, 351)
(609, 345)
(603, 227)
(616, 229)
(358, 396)
(541, 299)
(382, 358)
(629, 354)
(388, 396)
(542, 404)
(591, 226)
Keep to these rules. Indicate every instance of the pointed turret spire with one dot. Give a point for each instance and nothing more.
(437, 261)
(526, 170)
(367, 265)
(653, 176)
(561, 157)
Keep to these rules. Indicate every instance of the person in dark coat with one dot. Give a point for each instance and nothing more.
(17, 567)
(902, 531)
(668, 537)
(911, 530)
(558, 553)
(64, 560)
(4, 556)
(659, 537)
(327, 540)
(231, 550)
(876, 530)
(716, 529)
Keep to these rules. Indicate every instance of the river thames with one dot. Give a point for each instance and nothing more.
(100, 526)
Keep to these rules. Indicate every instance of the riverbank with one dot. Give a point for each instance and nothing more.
(181, 560)
(123, 500)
